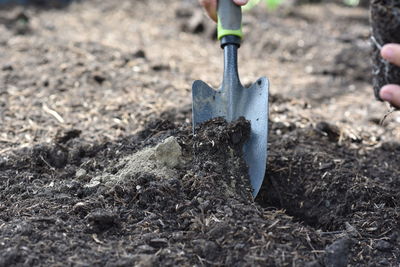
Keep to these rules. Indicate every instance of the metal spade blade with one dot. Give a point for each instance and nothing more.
(232, 101)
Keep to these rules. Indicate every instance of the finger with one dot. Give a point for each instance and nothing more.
(240, 2)
(391, 94)
(211, 7)
(391, 52)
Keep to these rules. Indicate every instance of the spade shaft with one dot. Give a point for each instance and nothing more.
(231, 82)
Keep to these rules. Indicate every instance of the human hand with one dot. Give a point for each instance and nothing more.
(211, 7)
(391, 92)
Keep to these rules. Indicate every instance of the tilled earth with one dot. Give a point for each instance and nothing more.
(99, 167)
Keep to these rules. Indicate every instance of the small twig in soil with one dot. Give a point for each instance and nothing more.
(331, 233)
(97, 240)
(388, 113)
(48, 164)
(375, 42)
(53, 113)
(309, 241)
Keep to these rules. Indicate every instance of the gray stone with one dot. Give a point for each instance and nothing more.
(337, 253)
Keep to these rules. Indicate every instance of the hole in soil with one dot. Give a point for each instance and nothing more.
(325, 185)
(297, 180)
(271, 197)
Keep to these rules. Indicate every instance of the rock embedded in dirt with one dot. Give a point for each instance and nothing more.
(99, 77)
(332, 131)
(101, 221)
(65, 136)
(81, 174)
(169, 153)
(385, 20)
(160, 67)
(139, 54)
(337, 253)
(384, 246)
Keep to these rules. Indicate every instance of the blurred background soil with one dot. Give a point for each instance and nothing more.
(106, 68)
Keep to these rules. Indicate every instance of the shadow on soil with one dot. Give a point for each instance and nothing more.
(330, 186)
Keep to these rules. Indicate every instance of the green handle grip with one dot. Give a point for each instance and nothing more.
(229, 19)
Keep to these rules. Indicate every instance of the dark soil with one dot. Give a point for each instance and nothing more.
(205, 215)
(99, 166)
(385, 20)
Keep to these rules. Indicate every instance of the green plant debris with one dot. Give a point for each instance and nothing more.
(351, 2)
(270, 4)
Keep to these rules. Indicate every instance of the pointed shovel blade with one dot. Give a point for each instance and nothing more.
(232, 103)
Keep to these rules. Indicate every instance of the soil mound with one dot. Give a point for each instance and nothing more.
(199, 210)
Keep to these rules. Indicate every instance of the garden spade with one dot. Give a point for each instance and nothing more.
(232, 100)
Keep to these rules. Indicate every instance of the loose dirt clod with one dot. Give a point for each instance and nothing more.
(160, 161)
(217, 150)
(169, 153)
(337, 253)
(101, 221)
